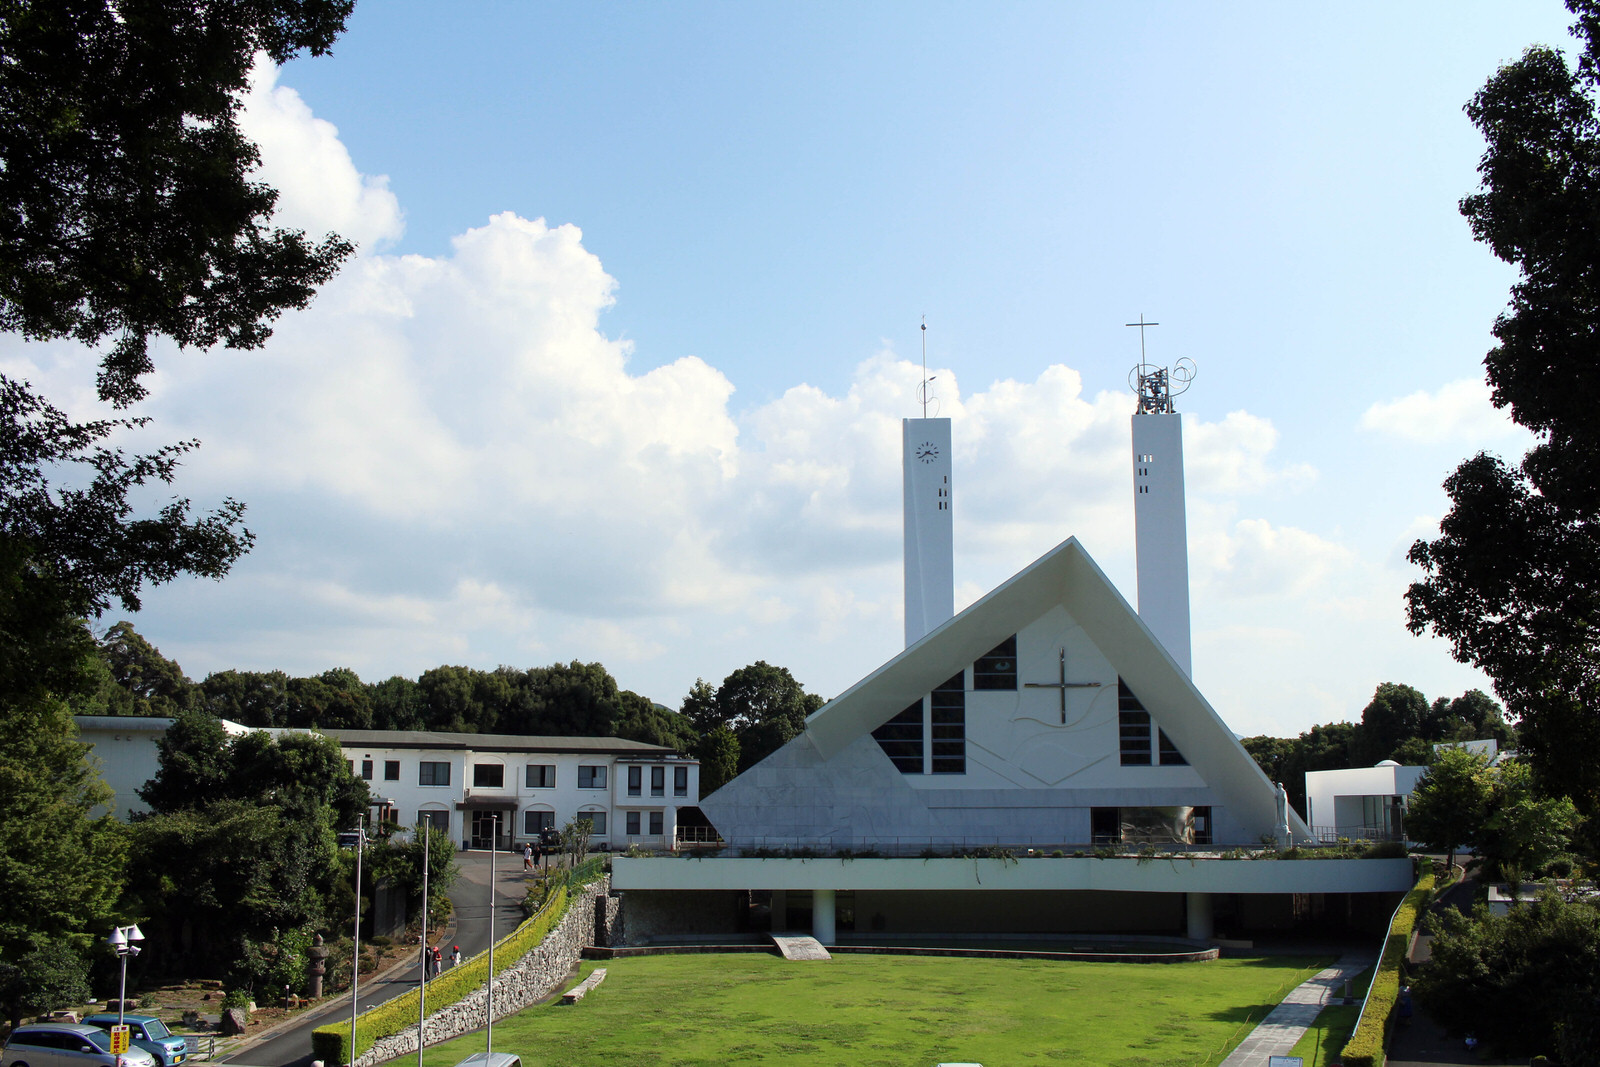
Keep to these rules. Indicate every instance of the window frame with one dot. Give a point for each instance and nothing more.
(430, 769)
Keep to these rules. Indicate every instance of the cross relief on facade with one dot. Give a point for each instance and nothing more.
(1063, 685)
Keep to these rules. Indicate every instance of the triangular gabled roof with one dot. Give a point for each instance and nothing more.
(1066, 575)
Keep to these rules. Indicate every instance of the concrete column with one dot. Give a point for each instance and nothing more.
(780, 911)
(1199, 909)
(822, 915)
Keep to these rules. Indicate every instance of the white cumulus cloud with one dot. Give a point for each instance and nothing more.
(1457, 411)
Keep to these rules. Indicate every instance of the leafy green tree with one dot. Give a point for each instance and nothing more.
(50, 977)
(718, 753)
(1395, 713)
(641, 719)
(155, 685)
(249, 698)
(1517, 981)
(397, 704)
(241, 841)
(1524, 831)
(193, 764)
(700, 707)
(60, 865)
(400, 860)
(765, 707)
(1513, 580)
(128, 206)
(1448, 808)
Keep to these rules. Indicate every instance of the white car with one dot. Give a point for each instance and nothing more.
(67, 1045)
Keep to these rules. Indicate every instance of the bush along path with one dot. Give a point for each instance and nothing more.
(531, 962)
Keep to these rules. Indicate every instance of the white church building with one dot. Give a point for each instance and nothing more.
(1038, 763)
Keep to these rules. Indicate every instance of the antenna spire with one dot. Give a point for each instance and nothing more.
(1157, 385)
(922, 390)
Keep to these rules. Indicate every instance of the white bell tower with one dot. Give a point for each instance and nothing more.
(929, 542)
(1161, 536)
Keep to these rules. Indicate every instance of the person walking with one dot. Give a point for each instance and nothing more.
(527, 856)
(438, 961)
(455, 957)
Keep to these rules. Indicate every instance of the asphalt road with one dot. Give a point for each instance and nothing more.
(470, 897)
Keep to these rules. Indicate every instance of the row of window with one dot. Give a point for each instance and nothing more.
(1133, 728)
(658, 781)
(535, 821)
(493, 775)
(944, 722)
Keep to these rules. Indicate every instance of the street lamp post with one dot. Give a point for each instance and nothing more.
(124, 940)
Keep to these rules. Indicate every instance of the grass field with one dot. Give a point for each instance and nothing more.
(896, 1011)
(1325, 1038)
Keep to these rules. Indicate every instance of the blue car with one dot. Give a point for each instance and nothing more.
(149, 1033)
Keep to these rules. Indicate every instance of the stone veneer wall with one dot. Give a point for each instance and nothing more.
(527, 981)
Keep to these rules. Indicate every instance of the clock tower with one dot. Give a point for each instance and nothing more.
(929, 546)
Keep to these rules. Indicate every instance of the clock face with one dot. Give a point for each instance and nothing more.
(927, 451)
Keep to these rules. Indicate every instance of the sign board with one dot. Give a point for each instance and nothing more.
(1285, 1061)
(119, 1040)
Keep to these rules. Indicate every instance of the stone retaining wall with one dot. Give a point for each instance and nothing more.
(527, 981)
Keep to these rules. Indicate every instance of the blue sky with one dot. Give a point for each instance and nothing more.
(618, 372)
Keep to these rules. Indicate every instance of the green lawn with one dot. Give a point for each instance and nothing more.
(897, 1011)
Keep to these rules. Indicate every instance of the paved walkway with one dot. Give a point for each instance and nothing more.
(1286, 1024)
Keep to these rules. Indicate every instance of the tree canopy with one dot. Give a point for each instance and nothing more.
(1513, 580)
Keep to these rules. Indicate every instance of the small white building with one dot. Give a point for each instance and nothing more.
(476, 786)
(1360, 803)
(1368, 803)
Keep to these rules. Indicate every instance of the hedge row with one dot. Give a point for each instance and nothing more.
(331, 1044)
(1366, 1045)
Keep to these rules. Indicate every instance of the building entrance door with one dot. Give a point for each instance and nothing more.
(488, 829)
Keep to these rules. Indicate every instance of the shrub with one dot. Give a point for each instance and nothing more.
(238, 998)
(1366, 1044)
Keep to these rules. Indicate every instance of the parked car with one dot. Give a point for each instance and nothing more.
(67, 1045)
(148, 1033)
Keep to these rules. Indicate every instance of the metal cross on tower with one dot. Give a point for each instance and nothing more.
(1062, 685)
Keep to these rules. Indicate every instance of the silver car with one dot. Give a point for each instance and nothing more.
(67, 1045)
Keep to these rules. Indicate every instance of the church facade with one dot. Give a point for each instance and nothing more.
(1039, 763)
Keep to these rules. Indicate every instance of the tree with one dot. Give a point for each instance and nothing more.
(50, 977)
(700, 707)
(1395, 713)
(1513, 580)
(127, 205)
(718, 753)
(1523, 831)
(85, 538)
(1448, 808)
(154, 684)
(193, 764)
(765, 707)
(1517, 980)
(575, 840)
(642, 719)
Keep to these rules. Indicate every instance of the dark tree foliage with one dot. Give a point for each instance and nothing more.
(249, 698)
(1395, 713)
(241, 841)
(1519, 980)
(154, 684)
(718, 753)
(86, 536)
(764, 707)
(1513, 580)
(50, 977)
(1328, 747)
(59, 866)
(126, 207)
(641, 719)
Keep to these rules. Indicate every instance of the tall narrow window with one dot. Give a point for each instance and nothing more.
(635, 781)
(901, 739)
(658, 781)
(997, 669)
(949, 714)
(1133, 727)
(1170, 756)
(680, 781)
